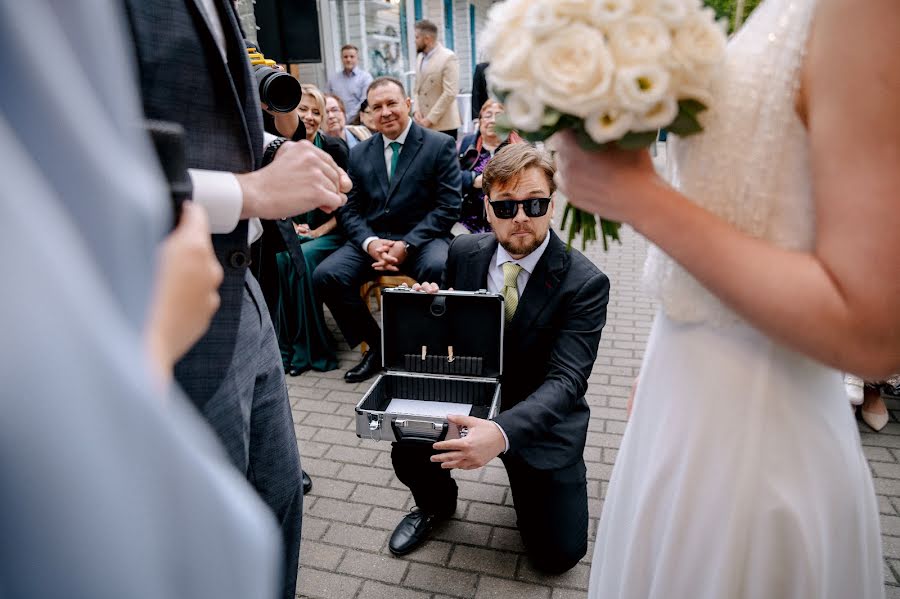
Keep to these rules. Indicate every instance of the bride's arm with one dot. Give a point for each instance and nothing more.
(839, 303)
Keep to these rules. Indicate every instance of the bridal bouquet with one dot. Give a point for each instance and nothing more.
(613, 71)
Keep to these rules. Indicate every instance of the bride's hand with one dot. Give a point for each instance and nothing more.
(610, 183)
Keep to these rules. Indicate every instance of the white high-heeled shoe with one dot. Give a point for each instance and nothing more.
(875, 420)
(853, 385)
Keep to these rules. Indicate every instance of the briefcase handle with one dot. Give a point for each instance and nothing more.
(420, 435)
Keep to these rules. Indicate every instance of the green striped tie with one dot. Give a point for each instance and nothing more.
(395, 157)
(511, 272)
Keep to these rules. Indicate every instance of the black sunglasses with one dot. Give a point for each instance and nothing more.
(533, 207)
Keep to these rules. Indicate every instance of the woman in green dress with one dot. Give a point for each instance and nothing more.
(303, 337)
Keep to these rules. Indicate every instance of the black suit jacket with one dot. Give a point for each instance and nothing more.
(479, 88)
(549, 347)
(419, 204)
(184, 79)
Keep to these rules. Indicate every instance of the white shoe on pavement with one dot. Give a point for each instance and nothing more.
(853, 385)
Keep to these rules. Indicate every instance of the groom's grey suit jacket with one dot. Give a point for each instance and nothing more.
(219, 107)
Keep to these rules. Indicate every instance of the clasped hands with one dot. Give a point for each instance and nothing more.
(387, 253)
(483, 441)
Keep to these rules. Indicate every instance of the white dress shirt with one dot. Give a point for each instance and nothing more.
(388, 154)
(495, 281)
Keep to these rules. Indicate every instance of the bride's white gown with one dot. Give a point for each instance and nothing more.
(740, 474)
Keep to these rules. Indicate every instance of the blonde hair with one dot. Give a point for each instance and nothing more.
(311, 90)
(509, 163)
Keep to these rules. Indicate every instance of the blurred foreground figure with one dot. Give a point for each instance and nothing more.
(109, 490)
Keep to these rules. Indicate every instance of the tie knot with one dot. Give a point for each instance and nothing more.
(395, 146)
(511, 272)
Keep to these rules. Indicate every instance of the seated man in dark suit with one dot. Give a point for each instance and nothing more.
(555, 307)
(405, 198)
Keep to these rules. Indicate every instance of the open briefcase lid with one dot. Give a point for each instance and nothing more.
(469, 322)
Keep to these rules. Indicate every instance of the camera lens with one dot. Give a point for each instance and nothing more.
(279, 90)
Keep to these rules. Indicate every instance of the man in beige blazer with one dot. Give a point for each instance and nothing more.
(437, 82)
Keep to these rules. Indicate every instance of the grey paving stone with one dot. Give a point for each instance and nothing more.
(383, 567)
(340, 511)
(320, 555)
(356, 537)
(326, 585)
(433, 552)
(568, 594)
(384, 518)
(320, 467)
(313, 528)
(481, 492)
(487, 561)
(377, 590)
(441, 580)
(328, 487)
(365, 474)
(380, 496)
(488, 513)
(499, 588)
(576, 578)
(508, 539)
(458, 531)
(352, 455)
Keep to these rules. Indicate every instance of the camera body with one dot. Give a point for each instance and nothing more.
(278, 90)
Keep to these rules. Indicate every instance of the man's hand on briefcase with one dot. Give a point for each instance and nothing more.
(482, 443)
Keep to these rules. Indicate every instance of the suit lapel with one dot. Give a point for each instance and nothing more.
(376, 159)
(541, 287)
(231, 32)
(407, 155)
(473, 274)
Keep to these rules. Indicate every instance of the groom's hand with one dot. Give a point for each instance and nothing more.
(483, 443)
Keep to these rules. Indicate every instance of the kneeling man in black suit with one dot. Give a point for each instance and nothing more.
(555, 304)
(405, 198)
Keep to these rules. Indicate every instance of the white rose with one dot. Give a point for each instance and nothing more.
(639, 87)
(672, 12)
(608, 124)
(700, 41)
(504, 21)
(525, 111)
(607, 12)
(639, 40)
(660, 115)
(544, 18)
(510, 67)
(694, 84)
(573, 69)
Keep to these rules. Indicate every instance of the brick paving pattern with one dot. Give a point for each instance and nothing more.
(356, 500)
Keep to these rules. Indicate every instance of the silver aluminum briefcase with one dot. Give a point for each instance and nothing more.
(440, 351)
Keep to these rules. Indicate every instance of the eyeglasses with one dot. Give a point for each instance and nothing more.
(533, 207)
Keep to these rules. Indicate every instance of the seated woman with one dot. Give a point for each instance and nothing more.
(336, 123)
(303, 337)
(476, 150)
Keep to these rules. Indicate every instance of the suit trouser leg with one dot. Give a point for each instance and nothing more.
(432, 486)
(429, 261)
(337, 281)
(552, 513)
(251, 414)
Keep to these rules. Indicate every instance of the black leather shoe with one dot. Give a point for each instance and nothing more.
(368, 367)
(307, 482)
(294, 371)
(412, 531)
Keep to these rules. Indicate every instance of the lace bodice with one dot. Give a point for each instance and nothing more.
(750, 165)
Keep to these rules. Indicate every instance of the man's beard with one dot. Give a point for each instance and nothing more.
(522, 246)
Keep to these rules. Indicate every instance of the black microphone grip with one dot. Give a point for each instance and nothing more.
(168, 140)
